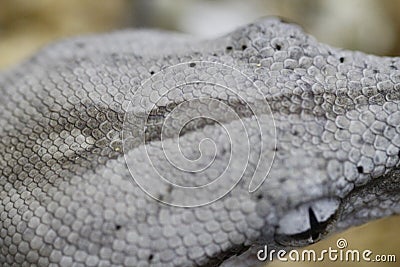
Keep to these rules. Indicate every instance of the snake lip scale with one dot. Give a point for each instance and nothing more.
(87, 124)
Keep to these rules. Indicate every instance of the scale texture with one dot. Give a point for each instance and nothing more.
(67, 193)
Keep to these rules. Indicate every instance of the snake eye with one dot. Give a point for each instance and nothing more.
(308, 223)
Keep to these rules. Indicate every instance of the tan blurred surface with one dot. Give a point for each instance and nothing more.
(27, 25)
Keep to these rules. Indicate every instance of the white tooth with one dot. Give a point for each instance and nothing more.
(294, 222)
(325, 208)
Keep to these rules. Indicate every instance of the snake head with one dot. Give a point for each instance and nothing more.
(95, 130)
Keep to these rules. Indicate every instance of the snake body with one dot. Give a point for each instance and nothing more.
(67, 196)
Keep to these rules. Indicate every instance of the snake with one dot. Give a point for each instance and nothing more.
(155, 148)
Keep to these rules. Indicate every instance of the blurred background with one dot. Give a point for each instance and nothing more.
(367, 25)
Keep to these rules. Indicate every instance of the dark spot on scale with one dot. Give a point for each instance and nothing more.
(80, 45)
(117, 227)
(393, 67)
(244, 47)
(229, 48)
(341, 59)
(276, 149)
(223, 151)
(360, 169)
(260, 196)
(150, 258)
(151, 72)
(215, 55)
(192, 64)
(169, 188)
(295, 133)
(278, 47)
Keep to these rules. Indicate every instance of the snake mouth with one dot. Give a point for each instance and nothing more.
(307, 223)
(311, 221)
(303, 223)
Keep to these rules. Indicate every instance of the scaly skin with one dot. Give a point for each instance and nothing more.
(67, 196)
